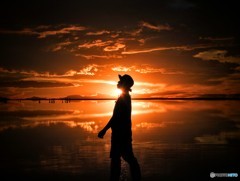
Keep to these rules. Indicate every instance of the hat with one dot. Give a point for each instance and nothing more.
(127, 80)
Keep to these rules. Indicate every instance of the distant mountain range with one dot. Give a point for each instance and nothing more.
(73, 97)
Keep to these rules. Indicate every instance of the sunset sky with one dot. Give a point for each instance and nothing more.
(171, 48)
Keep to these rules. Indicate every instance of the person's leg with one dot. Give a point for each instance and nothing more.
(128, 156)
(115, 161)
(115, 169)
(134, 168)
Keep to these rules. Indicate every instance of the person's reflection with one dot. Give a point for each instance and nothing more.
(121, 141)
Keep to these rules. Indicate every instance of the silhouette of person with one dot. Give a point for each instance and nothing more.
(121, 140)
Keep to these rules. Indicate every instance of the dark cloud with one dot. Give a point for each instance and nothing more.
(27, 84)
(219, 55)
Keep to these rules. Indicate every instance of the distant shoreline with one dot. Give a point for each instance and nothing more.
(82, 99)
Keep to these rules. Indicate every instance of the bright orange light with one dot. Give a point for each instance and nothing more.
(117, 92)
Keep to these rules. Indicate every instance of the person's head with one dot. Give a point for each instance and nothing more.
(125, 82)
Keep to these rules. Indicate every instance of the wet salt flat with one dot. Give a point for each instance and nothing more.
(172, 140)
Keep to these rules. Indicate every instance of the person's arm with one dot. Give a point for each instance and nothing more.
(109, 124)
(104, 130)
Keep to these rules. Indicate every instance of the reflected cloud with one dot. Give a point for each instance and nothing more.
(202, 122)
(67, 116)
(148, 111)
(150, 125)
(87, 118)
(147, 108)
(221, 138)
(162, 124)
(89, 126)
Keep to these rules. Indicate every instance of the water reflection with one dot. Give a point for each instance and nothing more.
(38, 140)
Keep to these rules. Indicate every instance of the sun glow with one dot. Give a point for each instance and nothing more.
(118, 92)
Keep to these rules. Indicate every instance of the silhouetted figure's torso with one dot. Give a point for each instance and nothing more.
(121, 123)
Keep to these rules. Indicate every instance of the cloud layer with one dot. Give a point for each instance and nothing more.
(169, 47)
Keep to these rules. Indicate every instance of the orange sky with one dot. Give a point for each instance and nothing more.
(169, 48)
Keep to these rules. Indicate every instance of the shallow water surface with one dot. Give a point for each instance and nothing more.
(172, 140)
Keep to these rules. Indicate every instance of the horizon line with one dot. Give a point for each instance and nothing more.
(140, 98)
